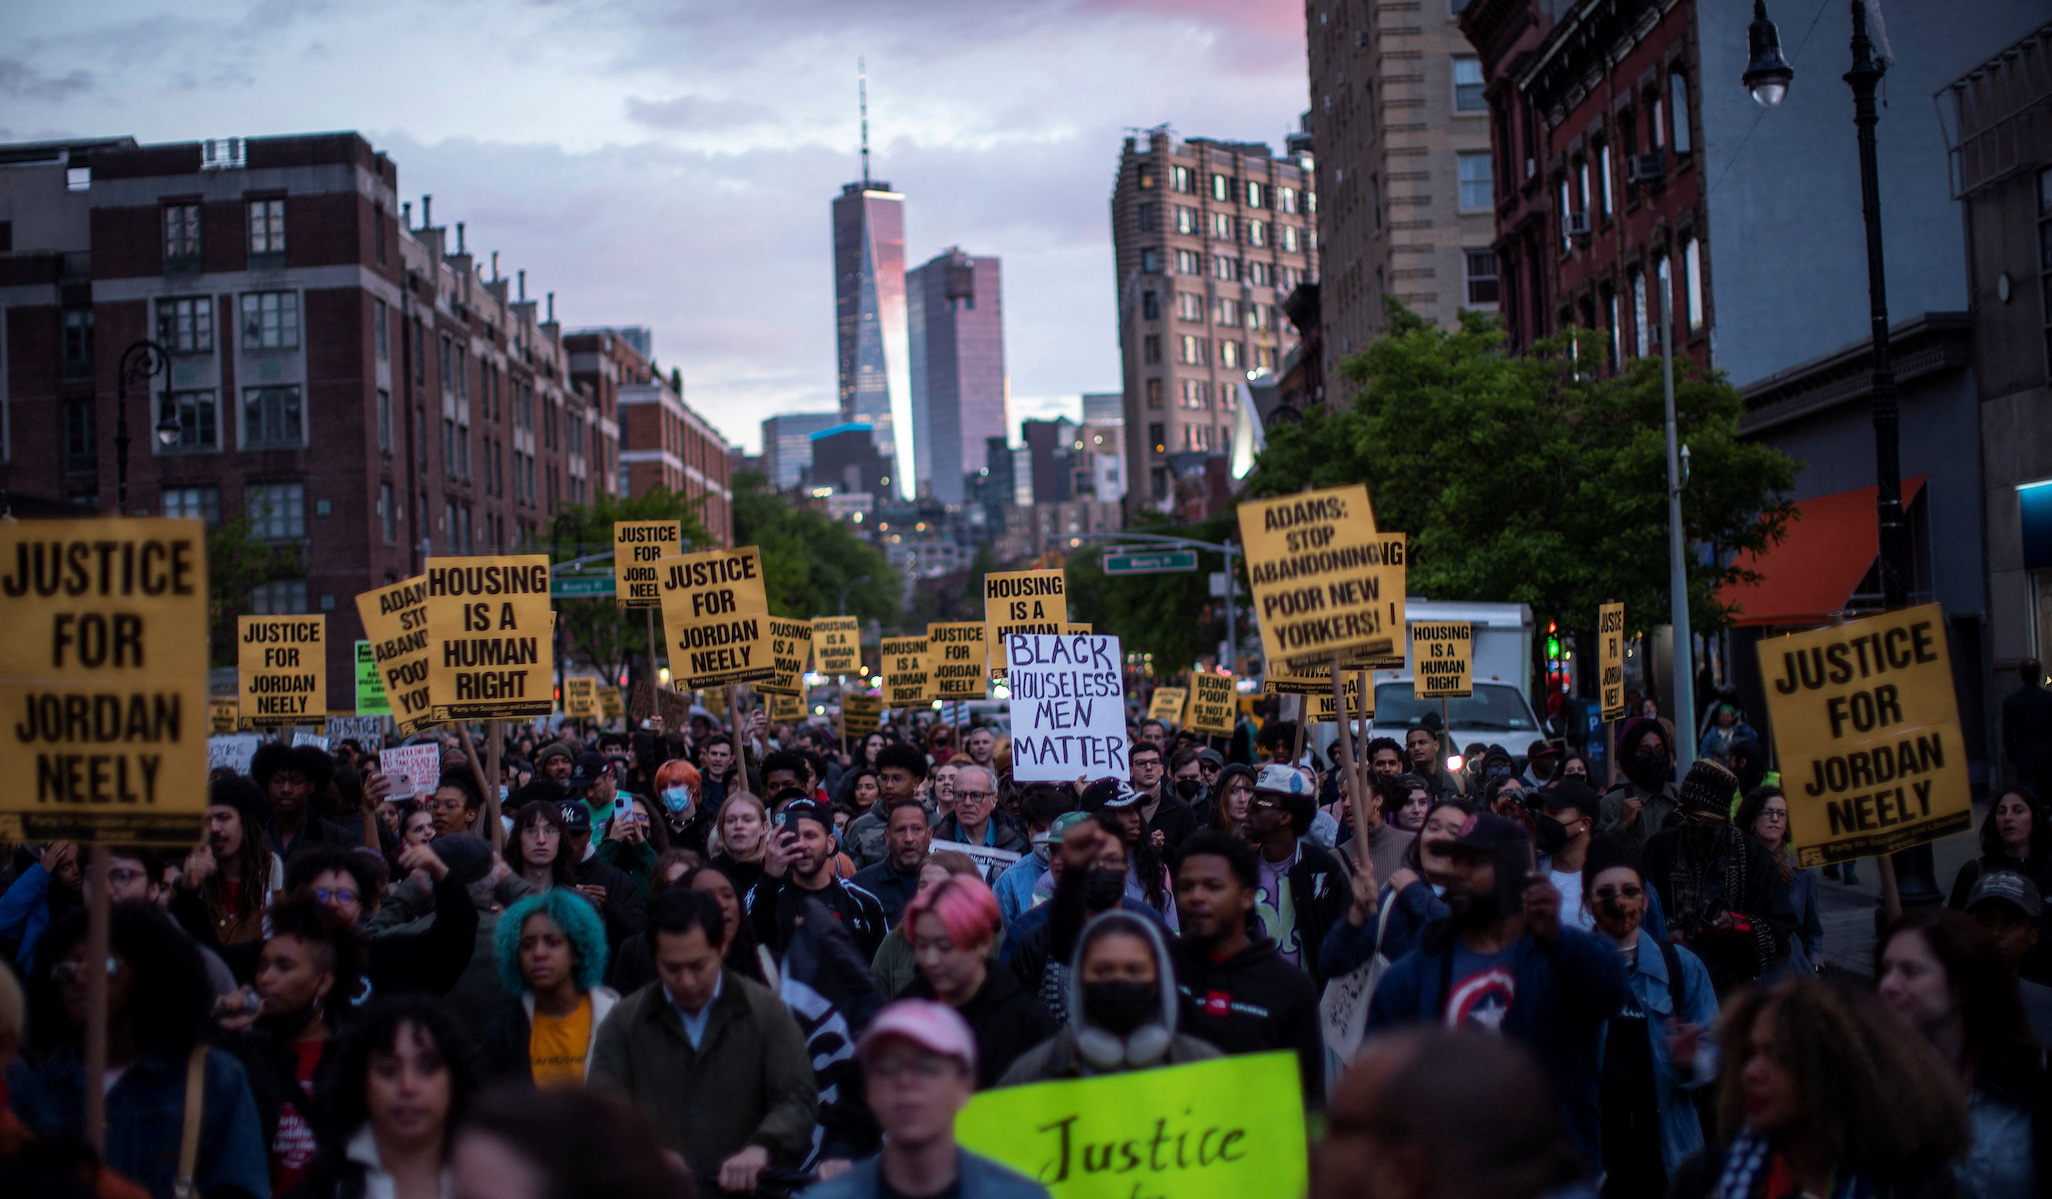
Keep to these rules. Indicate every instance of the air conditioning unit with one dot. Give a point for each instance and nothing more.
(1577, 224)
(1645, 168)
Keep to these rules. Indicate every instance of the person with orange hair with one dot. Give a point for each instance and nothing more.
(680, 792)
(952, 926)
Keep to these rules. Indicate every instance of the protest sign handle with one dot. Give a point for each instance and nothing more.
(1348, 774)
(489, 790)
(740, 754)
(1303, 718)
(1891, 888)
(498, 826)
(1367, 699)
(98, 935)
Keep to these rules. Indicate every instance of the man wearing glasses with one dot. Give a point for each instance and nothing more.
(977, 822)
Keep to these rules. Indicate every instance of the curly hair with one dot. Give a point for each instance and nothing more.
(580, 924)
(342, 1077)
(168, 999)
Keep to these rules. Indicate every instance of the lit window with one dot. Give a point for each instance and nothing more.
(1692, 282)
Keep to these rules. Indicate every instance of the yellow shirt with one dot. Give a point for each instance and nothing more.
(557, 1045)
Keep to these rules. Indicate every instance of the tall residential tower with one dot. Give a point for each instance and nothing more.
(869, 312)
(958, 368)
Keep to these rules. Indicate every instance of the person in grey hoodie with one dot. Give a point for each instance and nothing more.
(1122, 1008)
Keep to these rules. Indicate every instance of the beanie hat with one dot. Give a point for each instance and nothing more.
(1707, 789)
(466, 855)
(559, 749)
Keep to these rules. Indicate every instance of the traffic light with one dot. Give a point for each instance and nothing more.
(1552, 641)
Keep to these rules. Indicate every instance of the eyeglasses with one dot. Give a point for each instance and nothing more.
(337, 895)
(919, 1065)
(974, 796)
(65, 974)
(1625, 892)
(1771, 814)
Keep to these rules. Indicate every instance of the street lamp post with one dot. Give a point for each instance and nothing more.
(1767, 77)
(139, 362)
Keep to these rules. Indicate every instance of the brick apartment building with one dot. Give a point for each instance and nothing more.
(345, 380)
(1208, 239)
(645, 427)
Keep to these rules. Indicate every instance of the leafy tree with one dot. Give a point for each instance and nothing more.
(238, 564)
(1524, 479)
(597, 630)
(809, 558)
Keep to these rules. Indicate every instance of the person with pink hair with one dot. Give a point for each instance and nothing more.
(680, 793)
(952, 928)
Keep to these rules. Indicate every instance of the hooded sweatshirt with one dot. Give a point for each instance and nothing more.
(1069, 1053)
(1253, 1001)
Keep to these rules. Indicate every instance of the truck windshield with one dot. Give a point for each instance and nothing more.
(1493, 706)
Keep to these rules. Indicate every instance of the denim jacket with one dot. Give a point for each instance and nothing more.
(1681, 1131)
(981, 1178)
(146, 1119)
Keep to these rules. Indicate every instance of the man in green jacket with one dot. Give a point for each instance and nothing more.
(713, 1059)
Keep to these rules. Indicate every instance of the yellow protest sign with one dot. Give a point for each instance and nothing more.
(860, 714)
(281, 663)
(1321, 709)
(838, 642)
(955, 659)
(104, 676)
(1324, 581)
(1229, 1128)
(716, 615)
(790, 651)
(224, 713)
(1610, 659)
(786, 709)
(580, 696)
(1444, 656)
(490, 655)
(904, 671)
(1211, 704)
(1076, 629)
(1867, 730)
(637, 546)
(610, 704)
(1167, 704)
(395, 623)
(1021, 601)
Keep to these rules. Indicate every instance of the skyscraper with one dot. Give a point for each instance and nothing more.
(958, 368)
(787, 444)
(869, 312)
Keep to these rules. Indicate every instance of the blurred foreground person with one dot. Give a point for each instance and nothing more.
(1444, 1114)
(562, 1145)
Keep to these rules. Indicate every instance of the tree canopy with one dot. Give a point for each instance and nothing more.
(597, 630)
(1523, 479)
(808, 558)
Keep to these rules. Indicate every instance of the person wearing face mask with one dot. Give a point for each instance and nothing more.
(688, 819)
(1656, 1050)
(1721, 891)
(1303, 888)
(1502, 962)
(1122, 1008)
(1089, 868)
(1040, 806)
(1175, 817)
(1562, 828)
(1645, 802)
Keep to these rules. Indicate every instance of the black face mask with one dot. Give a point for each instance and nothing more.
(1120, 1007)
(1550, 835)
(1477, 909)
(1102, 888)
(1189, 788)
(1649, 767)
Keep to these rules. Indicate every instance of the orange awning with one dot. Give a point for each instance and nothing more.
(1831, 543)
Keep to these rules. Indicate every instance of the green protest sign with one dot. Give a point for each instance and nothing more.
(1232, 1128)
(370, 689)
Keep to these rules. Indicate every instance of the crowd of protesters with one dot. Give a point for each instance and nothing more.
(755, 958)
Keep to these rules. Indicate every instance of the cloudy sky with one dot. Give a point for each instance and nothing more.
(670, 162)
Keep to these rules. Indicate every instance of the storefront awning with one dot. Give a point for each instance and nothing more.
(1831, 543)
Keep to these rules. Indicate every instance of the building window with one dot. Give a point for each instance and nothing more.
(1477, 180)
(1286, 199)
(1481, 274)
(1260, 274)
(1195, 394)
(276, 511)
(1603, 187)
(181, 235)
(1257, 194)
(186, 326)
(1292, 238)
(1692, 284)
(1186, 219)
(1257, 233)
(1614, 335)
(267, 226)
(1150, 349)
(1189, 262)
(1678, 106)
(1566, 239)
(1180, 179)
(285, 597)
(388, 515)
(381, 332)
(2045, 282)
(198, 423)
(1227, 312)
(1191, 350)
(1227, 269)
(1374, 200)
(1150, 261)
(78, 341)
(1147, 218)
(1222, 188)
(1150, 306)
(1189, 306)
(1154, 393)
(378, 233)
(270, 320)
(1467, 80)
(1229, 355)
(1222, 226)
(202, 502)
(79, 444)
(1642, 331)
(270, 417)
(385, 421)
(1582, 184)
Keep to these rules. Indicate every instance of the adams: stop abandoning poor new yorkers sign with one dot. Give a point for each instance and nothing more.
(1068, 706)
(1230, 1128)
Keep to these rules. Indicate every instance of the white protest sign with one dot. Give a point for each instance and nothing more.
(367, 731)
(991, 861)
(1068, 707)
(413, 769)
(233, 750)
(316, 740)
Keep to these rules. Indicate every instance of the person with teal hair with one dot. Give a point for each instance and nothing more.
(551, 951)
